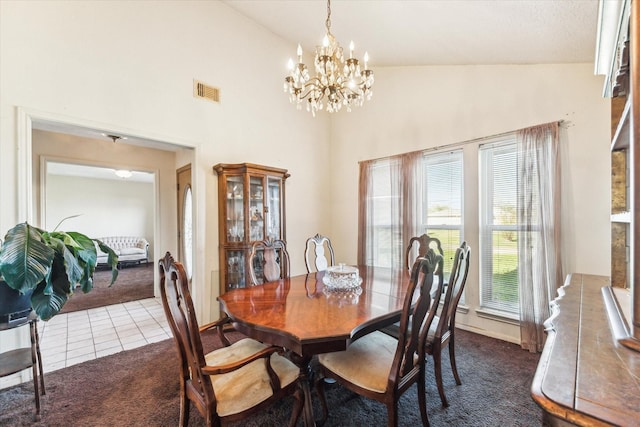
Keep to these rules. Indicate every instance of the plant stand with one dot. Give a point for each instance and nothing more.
(17, 360)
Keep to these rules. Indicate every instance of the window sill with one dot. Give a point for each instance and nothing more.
(499, 316)
(464, 309)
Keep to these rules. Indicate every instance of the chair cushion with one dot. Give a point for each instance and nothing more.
(248, 386)
(431, 333)
(366, 362)
(132, 251)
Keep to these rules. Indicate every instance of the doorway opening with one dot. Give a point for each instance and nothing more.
(116, 208)
(74, 144)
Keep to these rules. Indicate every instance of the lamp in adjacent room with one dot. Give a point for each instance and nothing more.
(123, 173)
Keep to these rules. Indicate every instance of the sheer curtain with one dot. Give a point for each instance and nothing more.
(400, 177)
(365, 212)
(539, 266)
(412, 179)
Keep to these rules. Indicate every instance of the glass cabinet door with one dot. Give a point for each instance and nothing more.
(256, 209)
(236, 277)
(235, 209)
(274, 211)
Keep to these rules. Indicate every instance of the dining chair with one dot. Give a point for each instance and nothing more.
(268, 261)
(381, 367)
(442, 329)
(229, 383)
(314, 253)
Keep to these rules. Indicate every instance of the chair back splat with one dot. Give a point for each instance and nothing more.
(382, 367)
(416, 311)
(424, 242)
(315, 258)
(231, 382)
(429, 251)
(268, 261)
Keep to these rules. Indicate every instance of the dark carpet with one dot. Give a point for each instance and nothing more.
(140, 388)
(134, 282)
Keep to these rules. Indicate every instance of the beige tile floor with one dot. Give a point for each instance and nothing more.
(71, 338)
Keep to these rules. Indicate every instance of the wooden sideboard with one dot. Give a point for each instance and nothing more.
(584, 376)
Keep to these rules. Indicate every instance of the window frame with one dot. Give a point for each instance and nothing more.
(488, 303)
(457, 154)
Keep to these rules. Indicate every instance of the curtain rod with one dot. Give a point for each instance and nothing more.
(459, 144)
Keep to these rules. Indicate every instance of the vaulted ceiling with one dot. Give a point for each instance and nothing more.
(423, 32)
(438, 32)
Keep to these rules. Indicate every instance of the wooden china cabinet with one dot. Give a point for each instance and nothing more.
(588, 372)
(251, 207)
(622, 85)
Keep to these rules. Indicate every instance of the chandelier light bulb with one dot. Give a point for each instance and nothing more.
(337, 81)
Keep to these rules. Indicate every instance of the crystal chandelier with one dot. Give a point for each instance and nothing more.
(337, 81)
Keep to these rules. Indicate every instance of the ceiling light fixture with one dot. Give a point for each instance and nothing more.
(337, 82)
(123, 173)
(114, 138)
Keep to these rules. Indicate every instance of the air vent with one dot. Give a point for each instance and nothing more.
(204, 91)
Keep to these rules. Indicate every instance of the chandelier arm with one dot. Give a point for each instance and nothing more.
(311, 86)
(321, 97)
(314, 82)
(308, 90)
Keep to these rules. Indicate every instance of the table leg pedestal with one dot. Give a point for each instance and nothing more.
(306, 379)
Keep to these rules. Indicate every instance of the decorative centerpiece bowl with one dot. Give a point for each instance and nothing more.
(342, 278)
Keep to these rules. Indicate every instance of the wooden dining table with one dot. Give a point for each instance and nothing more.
(306, 318)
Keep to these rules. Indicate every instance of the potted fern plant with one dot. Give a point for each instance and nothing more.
(45, 267)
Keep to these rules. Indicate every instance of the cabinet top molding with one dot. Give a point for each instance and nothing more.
(249, 167)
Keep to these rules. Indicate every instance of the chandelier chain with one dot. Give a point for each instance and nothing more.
(328, 21)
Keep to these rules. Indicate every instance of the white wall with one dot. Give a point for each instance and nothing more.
(128, 67)
(106, 207)
(423, 107)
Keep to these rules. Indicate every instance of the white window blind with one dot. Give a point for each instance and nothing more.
(442, 201)
(498, 226)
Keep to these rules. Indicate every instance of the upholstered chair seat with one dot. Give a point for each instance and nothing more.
(367, 362)
(245, 388)
(431, 333)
